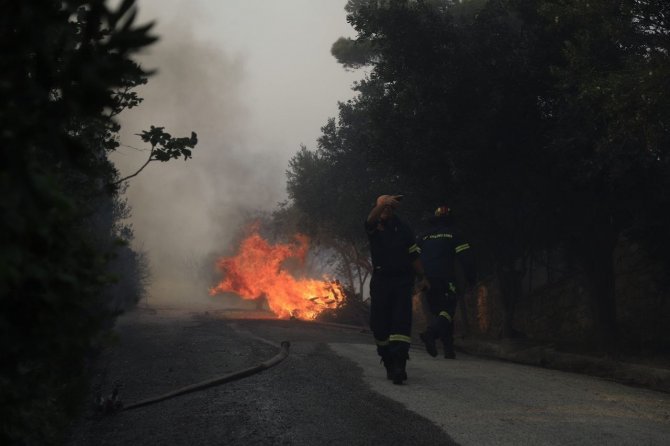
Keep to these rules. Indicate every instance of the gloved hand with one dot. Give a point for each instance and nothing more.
(389, 200)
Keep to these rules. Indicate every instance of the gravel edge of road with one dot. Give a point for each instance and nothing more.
(653, 378)
(545, 356)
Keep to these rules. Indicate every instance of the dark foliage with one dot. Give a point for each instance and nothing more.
(544, 124)
(65, 72)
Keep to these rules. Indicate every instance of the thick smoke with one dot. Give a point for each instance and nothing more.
(183, 211)
(187, 213)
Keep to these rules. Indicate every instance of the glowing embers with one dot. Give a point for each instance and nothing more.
(259, 269)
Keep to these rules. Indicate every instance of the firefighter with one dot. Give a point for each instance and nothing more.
(395, 261)
(441, 248)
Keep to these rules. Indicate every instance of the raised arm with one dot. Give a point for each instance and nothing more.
(382, 202)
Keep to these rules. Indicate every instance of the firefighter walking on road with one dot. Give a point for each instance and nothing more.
(395, 261)
(441, 248)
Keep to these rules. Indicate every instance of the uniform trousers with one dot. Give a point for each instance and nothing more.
(391, 313)
(442, 301)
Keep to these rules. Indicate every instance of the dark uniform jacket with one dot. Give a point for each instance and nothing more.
(440, 248)
(392, 247)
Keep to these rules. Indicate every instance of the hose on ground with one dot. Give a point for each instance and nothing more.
(279, 357)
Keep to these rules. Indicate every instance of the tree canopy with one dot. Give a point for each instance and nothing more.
(543, 123)
(66, 269)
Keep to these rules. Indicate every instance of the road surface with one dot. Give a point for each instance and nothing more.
(332, 390)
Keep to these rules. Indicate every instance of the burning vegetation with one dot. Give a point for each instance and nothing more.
(260, 269)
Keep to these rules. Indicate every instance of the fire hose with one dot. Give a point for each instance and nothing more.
(279, 357)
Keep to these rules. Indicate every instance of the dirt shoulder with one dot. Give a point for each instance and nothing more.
(643, 372)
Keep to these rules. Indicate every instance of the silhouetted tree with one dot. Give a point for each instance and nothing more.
(544, 123)
(65, 73)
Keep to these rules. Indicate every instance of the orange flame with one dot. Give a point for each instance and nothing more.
(256, 271)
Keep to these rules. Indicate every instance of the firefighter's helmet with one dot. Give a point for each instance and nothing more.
(442, 211)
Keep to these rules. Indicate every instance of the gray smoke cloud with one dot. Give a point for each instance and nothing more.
(185, 214)
(185, 211)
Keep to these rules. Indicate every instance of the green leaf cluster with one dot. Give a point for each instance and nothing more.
(164, 147)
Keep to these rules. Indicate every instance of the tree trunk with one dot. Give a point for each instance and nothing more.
(510, 281)
(465, 322)
(602, 278)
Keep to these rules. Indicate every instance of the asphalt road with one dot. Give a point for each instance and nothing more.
(331, 389)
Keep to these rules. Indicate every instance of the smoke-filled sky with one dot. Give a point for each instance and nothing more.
(254, 79)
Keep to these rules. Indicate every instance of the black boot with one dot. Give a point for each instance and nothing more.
(399, 374)
(388, 365)
(429, 341)
(447, 337)
(387, 359)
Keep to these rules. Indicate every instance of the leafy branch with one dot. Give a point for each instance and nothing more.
(164, 147)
